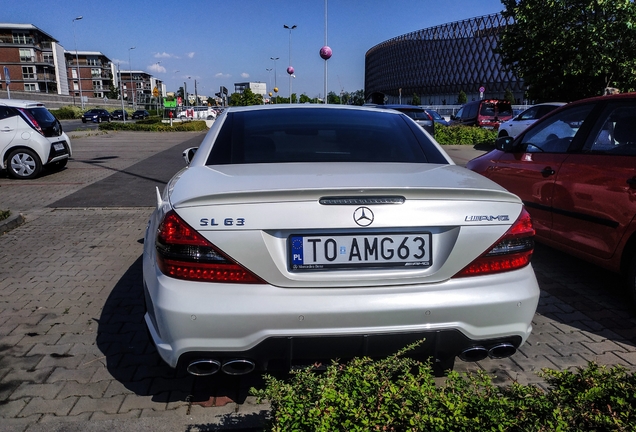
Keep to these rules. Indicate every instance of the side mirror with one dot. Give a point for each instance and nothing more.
(189, 153)
(504, 144)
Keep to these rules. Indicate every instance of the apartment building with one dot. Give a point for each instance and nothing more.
(34, 59)
(90, 73)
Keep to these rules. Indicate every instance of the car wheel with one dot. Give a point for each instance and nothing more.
(23, 164)
(108, 119)
(59, 165)
(631, 280)
(83, 120)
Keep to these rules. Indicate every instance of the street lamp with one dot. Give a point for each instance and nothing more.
(275, 85)
(290, 69)
(132, 91)
(79, 78)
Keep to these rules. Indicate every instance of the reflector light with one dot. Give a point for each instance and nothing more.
(183, 253)
(511, 252)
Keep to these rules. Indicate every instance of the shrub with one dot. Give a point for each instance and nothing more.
(465, 135)
(400, 394)
(67, 112)
(4, 214)
(151, 125)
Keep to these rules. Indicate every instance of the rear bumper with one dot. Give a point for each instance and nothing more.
(271, 325)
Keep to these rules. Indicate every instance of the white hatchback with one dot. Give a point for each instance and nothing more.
(518, 124)
(30, 139)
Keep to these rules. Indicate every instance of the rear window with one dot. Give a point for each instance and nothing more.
(320, 135)
(42, 115)
(490, 109)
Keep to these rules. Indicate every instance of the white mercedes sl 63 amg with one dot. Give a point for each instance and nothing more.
(303, 233)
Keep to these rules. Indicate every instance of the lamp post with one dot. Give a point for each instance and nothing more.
(275, 85)
(121, 95)
(79, 78)
(157, 97)
(290, 69)
(132, 91)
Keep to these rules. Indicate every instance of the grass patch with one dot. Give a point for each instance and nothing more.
(155, 125)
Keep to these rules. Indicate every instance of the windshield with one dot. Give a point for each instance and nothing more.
(320, 135)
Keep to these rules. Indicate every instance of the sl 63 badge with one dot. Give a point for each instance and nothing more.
(226, 222)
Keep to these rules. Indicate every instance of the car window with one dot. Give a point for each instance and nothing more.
(42, 115)
(617, 132)
(320, 135)
(6, 112)
(529, 114)
(556, 133)
(471, 111)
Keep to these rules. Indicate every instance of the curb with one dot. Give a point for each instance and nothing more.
(11, 222)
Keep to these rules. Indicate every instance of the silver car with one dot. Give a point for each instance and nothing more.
(302, 233)
(519, 123)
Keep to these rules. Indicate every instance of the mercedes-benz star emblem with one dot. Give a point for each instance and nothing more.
(363, 216)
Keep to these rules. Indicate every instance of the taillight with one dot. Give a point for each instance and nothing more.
(31, 120)
(183, 253)
(511, 252)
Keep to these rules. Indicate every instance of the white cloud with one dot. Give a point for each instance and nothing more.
(190, 54)
(156, 68)
(245, 75)
(222, 75)
(163, 55)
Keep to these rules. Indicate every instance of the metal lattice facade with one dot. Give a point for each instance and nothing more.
(438, 62)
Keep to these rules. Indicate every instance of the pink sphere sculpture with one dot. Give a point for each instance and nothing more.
(290, 70)
(325, 53)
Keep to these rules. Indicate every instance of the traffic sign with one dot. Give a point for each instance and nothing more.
(155, 92)
(482, 89)
(7, 79)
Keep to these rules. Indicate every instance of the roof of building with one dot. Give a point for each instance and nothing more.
(14, 26)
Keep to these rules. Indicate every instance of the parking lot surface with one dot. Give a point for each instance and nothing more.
(74, 353)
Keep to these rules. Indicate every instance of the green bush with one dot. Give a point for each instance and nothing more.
(67, 112)
(400, 394)
(150, 125)
(465, 135)
(4, 214)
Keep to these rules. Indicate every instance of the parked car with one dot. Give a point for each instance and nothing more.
(197, 112)
(140, 114)
(120, 115)
(486, 113)
(436, 117)
(575, 171)
(418, 114)
(301, 233)
(30, 138)
(96, 115)
(517, 124)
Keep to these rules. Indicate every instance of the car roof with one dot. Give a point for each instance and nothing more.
(310, 107)
(20, 103)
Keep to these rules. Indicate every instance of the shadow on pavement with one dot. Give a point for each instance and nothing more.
(133, 361)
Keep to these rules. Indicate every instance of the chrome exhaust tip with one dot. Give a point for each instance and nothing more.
(501, 351)
(474, 354)
(203, 367)
(238, 367)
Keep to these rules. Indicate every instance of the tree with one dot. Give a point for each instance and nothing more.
(304, 98)
(357, 98)
(416, 99)
(509, 96)
(570, 49)
(461, 97)
(247, 98)
(333, 98)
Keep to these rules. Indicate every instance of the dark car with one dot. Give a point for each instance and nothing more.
(119, 115)
(96, 115)
(418, 114)
(575, 170)
(140, 114)
(486, 113)
(436, 117)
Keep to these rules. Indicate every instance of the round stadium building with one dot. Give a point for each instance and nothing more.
(437, 63)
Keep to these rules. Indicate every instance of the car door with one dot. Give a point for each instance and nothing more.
(595, 190)
(525, 119)
(531, 169)
(8, 127)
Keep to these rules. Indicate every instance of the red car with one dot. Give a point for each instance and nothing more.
(575, 171)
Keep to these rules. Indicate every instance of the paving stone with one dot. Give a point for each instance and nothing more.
(87, 404)
(58, 407)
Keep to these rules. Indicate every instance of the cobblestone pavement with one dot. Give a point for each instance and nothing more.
(74, 353)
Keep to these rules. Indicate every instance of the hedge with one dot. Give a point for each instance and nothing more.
(464, 135)
(400, 394)
(152, 125)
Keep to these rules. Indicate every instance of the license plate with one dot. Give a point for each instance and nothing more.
(58, 147)
(406, 250)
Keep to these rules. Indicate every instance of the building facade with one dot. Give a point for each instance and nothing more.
(138, 87)
(34, 59)
(89, 73)
(438, 63)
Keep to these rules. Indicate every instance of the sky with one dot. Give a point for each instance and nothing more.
(221, 42)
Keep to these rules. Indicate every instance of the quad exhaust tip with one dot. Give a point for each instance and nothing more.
(238, 367)
(478, 353)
